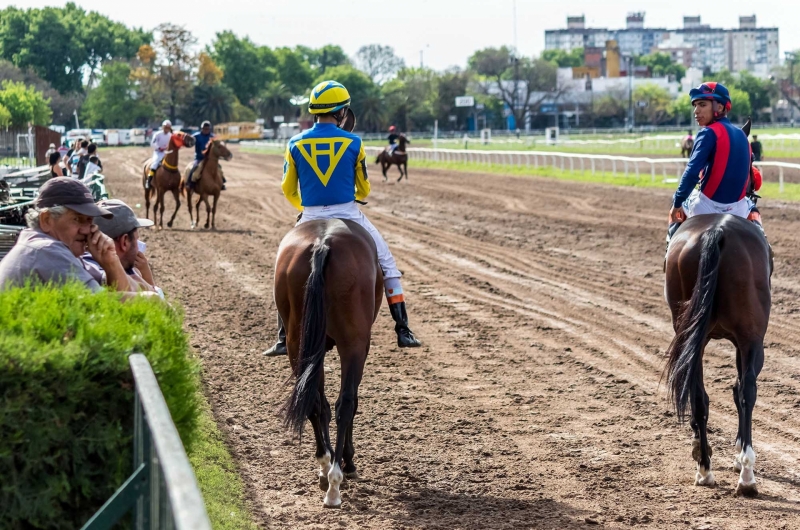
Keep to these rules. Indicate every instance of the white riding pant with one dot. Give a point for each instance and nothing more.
(698, 204)
(158, 156)
(351, 212)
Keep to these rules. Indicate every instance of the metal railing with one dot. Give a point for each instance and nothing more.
(162, 492)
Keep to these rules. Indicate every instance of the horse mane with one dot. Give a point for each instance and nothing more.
(207, 150)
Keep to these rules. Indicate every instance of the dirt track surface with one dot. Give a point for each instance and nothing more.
(535, 402)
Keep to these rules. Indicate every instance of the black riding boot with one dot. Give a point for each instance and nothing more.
(149, 181)
(280, 347)
(405, 337)
(673, 227)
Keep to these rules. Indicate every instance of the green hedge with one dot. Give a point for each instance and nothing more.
(66, 397)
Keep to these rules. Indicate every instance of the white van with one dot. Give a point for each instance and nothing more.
(138, 137)
(287, 130)
(112, 137)
(74, 134)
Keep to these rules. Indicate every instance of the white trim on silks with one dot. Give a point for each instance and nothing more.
(699, 204)
(351, 212)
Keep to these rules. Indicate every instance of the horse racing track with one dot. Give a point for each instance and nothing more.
(535, 400)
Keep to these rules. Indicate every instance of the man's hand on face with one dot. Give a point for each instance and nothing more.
(101, 247)
(144, 268)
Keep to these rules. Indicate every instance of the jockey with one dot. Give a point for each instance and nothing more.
(393, 136)
(720, 162)
(201, 140)
(324, 174)
(160, 143)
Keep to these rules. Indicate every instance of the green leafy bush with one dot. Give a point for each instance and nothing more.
(66, 397)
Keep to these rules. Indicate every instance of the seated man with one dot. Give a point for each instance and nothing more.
(336, 196)
(393, 136)
(59, 231)
(720, 162)
(201, 141)
(123, 229)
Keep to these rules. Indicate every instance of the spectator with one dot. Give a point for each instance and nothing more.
(76, 156)
(57, 169)
(59, 230)
(50, 151)
(123, 228)
(755, 146)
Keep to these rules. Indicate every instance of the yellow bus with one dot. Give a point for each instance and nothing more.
(239, 131)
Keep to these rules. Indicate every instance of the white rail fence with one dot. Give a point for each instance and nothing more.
(666, 169)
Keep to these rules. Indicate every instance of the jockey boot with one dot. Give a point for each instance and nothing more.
(405, 337)
(150, 179)
(280, 347)
(224, 180)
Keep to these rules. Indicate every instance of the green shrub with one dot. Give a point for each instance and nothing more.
(66, 397)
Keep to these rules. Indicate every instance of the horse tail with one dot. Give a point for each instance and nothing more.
(304, 396)
(685, 354)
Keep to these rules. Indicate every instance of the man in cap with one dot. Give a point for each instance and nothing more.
(50, 150)
(160, 144)
(60, 230)
(123, 229)
(201, 140)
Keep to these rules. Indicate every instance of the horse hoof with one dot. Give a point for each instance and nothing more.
(169, 224)
(705, 480)
(737, 466)
(746, 490)
(351, 475)
(323, 483)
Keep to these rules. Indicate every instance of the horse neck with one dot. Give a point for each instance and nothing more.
(401, 143)
(171, 157)
(211, 168)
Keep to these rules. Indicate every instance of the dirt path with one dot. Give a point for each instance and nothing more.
(535, 402)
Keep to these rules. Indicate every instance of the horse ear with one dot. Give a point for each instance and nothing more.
(746, 126)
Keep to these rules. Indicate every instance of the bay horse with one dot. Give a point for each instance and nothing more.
(718, 273)
(167, 178)
(209, 184)
(686, 147)
(399, 157)
(328, 290)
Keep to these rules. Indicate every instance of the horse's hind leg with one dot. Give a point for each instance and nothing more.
(353, 359)
(701, 451)
(320, 419)
(737, 464)
(400, 169)
(177, 207)
(752, 361)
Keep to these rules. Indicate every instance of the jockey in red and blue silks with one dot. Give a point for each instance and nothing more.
(720, 162)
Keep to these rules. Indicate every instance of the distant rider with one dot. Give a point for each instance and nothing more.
(323, 179)
(720, 162)
(201, 140)
(393, 136)
(160, 144)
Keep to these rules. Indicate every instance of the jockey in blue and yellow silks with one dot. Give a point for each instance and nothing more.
(324, 174)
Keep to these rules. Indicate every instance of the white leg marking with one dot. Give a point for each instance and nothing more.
(704, 477)
(324, 464)
(748, 461)
(333, 498)
(737, 463)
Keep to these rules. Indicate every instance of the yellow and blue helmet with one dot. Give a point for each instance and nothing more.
(328, 96)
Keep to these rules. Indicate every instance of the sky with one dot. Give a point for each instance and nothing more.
(444, 32)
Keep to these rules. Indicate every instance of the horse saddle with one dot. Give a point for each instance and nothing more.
(198, 171)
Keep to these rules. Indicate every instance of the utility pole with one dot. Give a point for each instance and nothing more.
(630, 93)
(791, 57)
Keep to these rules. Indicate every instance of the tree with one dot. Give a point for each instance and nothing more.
(516, 80)
(323, 58)
(740, 105)
(213, 102)
(175, 62)
(410, 98)
(242, 112)
(450, 85)
(62, 105)
(115, 103)
(208, 73)
(247, 67)
(378, 62)
(26, 105)
(273, 101)
(760, 92)
(611, 108)
(681, 109)
(563, 58)
(661, 65)
(5, 117)
(294, 71)
(364, 94)
(657, 102)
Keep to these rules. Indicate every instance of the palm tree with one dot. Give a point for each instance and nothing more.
(212, 102)
(273, 101)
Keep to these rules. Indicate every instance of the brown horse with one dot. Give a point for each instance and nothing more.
(399, 157)
(686, 147)
(209, 182)
(324, 303)
(718, 287)
(167, 178)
